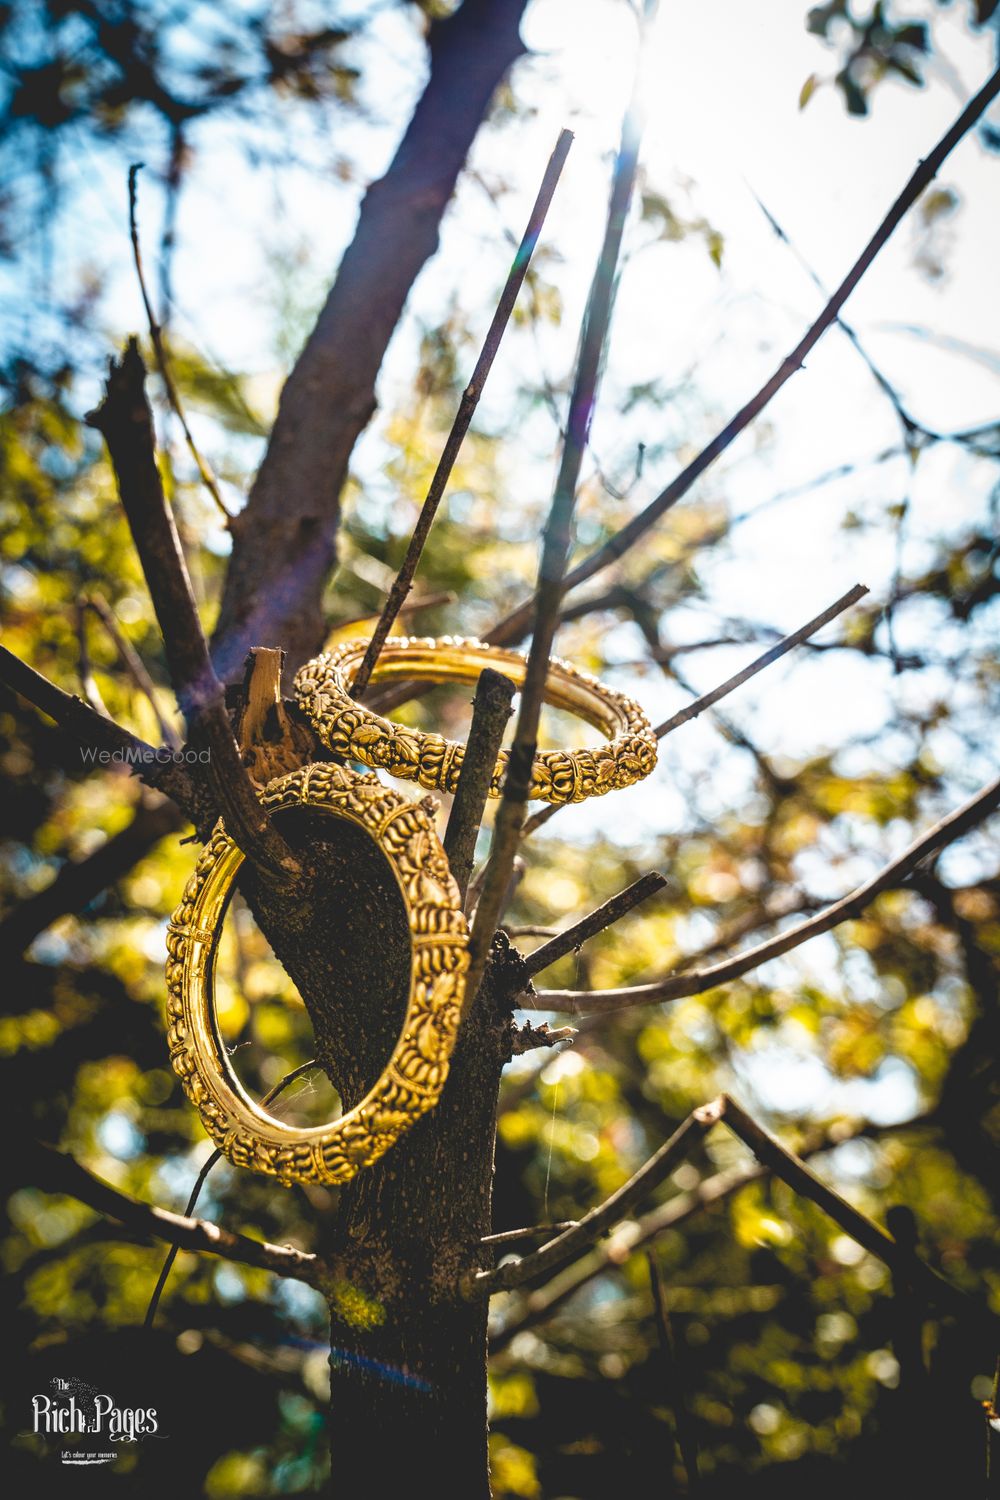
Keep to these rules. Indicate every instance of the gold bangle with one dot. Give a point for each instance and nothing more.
(323, 687)
(415, 1075)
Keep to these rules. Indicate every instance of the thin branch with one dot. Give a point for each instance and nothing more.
(556, 541)
(133, 664)
(160, 350)
(696, 981)
(773, 654)
(517, 623)
(699, 705)
(200, 1180)
(125, 420)
(687, 1444)
(55, 1172)
(594, 1225)
(490, 712)
(533, 1232)
(466, 411)
(85, 670)
(772, 1155)
(612, 911)
(900, 1258)
(912, 429)
(101, 741)
(540, 1304)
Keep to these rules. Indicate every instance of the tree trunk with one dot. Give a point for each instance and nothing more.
(408, 1354)
(284, 542)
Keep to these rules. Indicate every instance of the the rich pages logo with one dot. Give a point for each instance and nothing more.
(92, 1424)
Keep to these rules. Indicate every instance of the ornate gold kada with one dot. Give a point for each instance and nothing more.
(416, 1072)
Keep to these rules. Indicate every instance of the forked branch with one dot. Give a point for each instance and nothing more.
(538, 1305)
(782, 1163)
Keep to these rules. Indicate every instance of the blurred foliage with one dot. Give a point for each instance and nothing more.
(784, 1328)
(885, 41)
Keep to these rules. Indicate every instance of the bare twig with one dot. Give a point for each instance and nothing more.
(517, 623)
(612, 911)
(159, 346)
(699, 705)
(687, 1443)
(786, 644)
(696, 981)
(490, 713)
(912, 429)
(200, 1180)
(125, 420)
(556, 541)
(466, 411)
(533, 1232)
(594, 1225)
(55, 1172)
(85, 670)
(133, 664)
(102, 740)
(540, 1304)
(779, 1160)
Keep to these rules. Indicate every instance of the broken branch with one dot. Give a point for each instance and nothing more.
(125, 420)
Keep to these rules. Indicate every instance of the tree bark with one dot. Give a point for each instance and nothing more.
(284, 541)
(408, 1354)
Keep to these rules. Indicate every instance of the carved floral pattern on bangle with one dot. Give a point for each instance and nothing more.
(415, 1075)
(357, 733)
